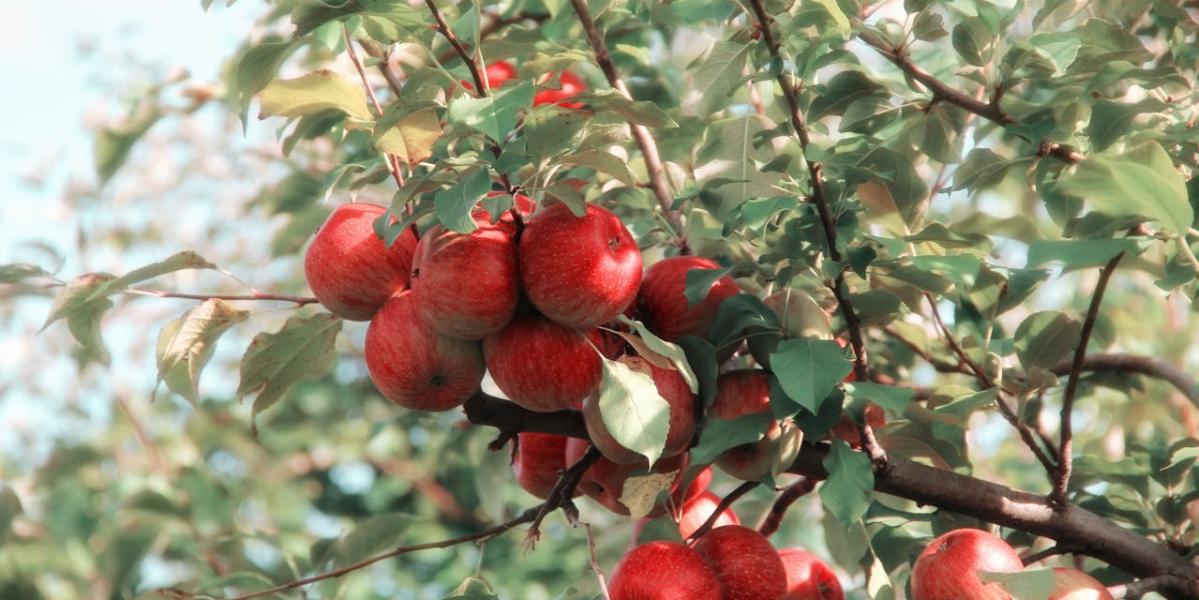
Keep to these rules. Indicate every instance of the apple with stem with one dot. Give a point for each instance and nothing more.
(416, 367)
(662, 299)
(1072, 584)
(349, 269)
(747, 392)
(663, 571)
(541, 365)
(808, 577)
(538, 462)
(948, 568)
(747, 565)
(466, 283)
(673, 388)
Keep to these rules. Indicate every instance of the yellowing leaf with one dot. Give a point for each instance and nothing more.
(412, 138)
(186, 344)
(640, 493)
(314, 92)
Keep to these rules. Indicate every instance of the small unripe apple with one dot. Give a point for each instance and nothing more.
(570, 86)
(579, 271)
(747, 392)
(662, 299)
(416, 367)
(539, 461)
(541, 365)
(466, 284)
(1072, 584)
(808, 577)
(604, 480)
(948, 567)
(349, 269)
(663, 571)
(748, 567)
(673, 388)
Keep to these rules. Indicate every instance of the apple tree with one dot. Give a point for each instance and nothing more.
(621, 298)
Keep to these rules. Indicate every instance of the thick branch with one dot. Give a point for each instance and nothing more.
(641, 134)
(1065, 465)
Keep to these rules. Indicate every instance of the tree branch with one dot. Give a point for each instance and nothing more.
(1065, 464)
(725, 503)
(1149, 366)
(1139, 588)
(641, 134)
(300, 300)
(393, 162)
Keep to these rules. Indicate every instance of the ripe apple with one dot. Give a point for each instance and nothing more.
(663, 300)
(698, 485)
(948, 567)
(808, 577)
(541, 365)
(466, 284)
(349, 269)
(663, 571)
(746, 392)
(748, 567)
(579, 271)
(498, 73)
(604, 480)
(538, 462)
(1072, 584)
(697, 510)
(673, 388)
(571, 86)
(416, 367)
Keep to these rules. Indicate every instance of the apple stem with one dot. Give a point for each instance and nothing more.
(725, 503)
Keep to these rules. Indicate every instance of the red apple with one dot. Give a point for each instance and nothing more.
(747, 392)
(948, 567)
(579, 271)
(604, 480)
(1072, 584)
(609, 344)
(846, 429)
(697, 510)
(349, 269)
(748, 567)
(413, 365)
(663, 571)
(699, 485)
(466, 284)
(808, 577)
(541, 365)
(673, 388)
(539, 461)
(571, 86)
(521, 202)
(663, 300)
(498, 73)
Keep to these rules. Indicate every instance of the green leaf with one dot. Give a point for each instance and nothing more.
(838, 16)
(719, 75)
(1079, 254)
(552, 130)
(700, 281)
(21, 272)
(1046, 337)
(10, 509)
(1029, 584)
(604, 162)
(186, 344)
(633, 411)
(974, 40)
(845, 88)
(301, 349)
(1111, 120)
(670, 351)
(84, 324)
(809, 369)
(719, 435)
(637, 112)
(113, 144)
(738, 313)
(411, 138)
(1141, 182)
(893, 399)
(928, 26)
(982, 169)
(473, 588)
(846, 492)
(372, 536)
(495, 115)
(455, 205)
(312, 93)
(257, 68)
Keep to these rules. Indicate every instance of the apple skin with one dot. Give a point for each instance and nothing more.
(948, 567)
(663, 571)
(570, 86)
(541, 365)
(414, 366)
(466, 284)
(604, 480)
(746, 392)
(579, 271)
(673, 388)
(498, 73)
(699, 485)
(697, 510)
(1072, 584)
(808, 577)
(538, 461)
(348, 267)
(748, 567)
(663, 300)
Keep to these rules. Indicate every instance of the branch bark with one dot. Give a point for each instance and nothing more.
(1141, 365)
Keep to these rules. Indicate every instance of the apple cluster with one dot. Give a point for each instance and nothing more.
(951, 567)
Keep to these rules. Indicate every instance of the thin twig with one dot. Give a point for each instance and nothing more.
(641, 134)
(563, 490)
(1065, 466)
(1141, 587)
(393, 162)
(374, 51)
(1049, 552)
(525, 517)
(300, 300)
(599, 573)
(725, 503)
(795, 491)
